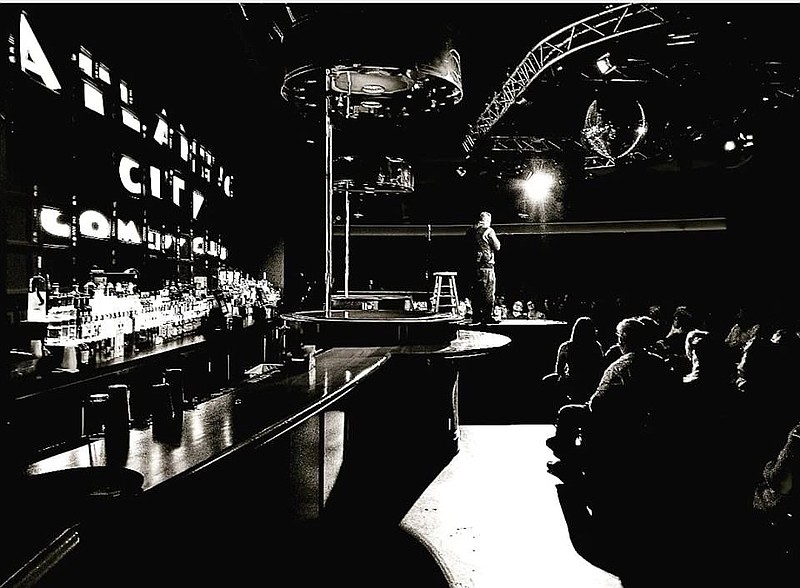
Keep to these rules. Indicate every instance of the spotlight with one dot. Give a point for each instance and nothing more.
(604, 65)
(729, 145)
(538, 185)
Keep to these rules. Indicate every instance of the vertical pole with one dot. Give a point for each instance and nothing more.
(346, 241)
(428, 260)
(328, 195)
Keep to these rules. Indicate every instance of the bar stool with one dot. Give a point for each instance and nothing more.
(180, 399)
(445, 293)
(94, 415)
(118, 413)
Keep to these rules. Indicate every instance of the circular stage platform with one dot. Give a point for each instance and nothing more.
(349, 328)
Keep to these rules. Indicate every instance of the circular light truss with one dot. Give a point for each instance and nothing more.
(613, 22)
(377, 90)
(613, 137)
(381, 175)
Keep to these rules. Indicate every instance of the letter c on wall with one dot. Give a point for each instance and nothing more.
(126, 167)
(51, 221)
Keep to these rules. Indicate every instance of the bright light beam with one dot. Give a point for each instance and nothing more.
(538, 186)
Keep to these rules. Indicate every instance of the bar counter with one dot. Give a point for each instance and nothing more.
(291, 410)
(47, 409)
(227, 423)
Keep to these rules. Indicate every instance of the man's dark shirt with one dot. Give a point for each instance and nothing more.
(483, 252)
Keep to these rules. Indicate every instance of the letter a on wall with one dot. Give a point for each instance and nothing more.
(32, 58)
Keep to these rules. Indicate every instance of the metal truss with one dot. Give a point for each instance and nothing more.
(622, 19)
(599, 163)
(538, 145)
(533, 144)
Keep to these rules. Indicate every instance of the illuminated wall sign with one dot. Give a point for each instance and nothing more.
(158, 241)
(96, 82)
(91, 223)
(178, 185)
(131, 120)
(155, 182)
(93, 98)
(197, 203)
(127, 232)
(54, 222)
(127, 166)
(134, 180)
(32, 59)
(154, 240)
(202, 246)
(94, 224)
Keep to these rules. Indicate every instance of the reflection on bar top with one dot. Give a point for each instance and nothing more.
(254, 413)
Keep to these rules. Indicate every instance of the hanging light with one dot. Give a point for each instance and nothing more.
(604, 65)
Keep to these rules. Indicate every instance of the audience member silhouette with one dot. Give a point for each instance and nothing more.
(612, 422)
(628, 392)
(745, 327)
(534, 312)
(656, 312)
(696, 436)
(765, 377)
(616, 459)
(650, 334)
(672, 346)
(580, 362)
(660, 451)
(776, 502)
(518, 310)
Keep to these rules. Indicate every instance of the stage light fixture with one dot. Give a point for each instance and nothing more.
(538, 185)
(604, 65)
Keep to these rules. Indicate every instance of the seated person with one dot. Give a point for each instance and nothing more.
(776, 494)
(580, 362)
(518, 310)
(612, 424)
(651, 327)
(672, 346)
(775, 504)
(533, 311)
(499, 310)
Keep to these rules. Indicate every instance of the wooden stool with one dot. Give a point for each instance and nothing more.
(445, 294)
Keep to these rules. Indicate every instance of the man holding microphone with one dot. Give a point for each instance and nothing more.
(484, 244)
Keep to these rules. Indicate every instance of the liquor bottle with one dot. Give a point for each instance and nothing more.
(83, 354)
(92, 362)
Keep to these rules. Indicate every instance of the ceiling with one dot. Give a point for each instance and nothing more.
(223, 66)
(700, 74)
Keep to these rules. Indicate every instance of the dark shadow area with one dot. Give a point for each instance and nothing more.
(372, 489)
(506, 387)
(360, 554)
(651, 546)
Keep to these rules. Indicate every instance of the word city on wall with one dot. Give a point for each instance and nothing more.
(134, 177)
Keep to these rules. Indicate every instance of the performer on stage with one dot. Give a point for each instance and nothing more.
(484, 244)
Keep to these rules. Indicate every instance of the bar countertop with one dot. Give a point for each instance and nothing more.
(217, 428)
(247, 416)
(255, 412)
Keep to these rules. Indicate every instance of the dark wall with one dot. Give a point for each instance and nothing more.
(534, 266)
